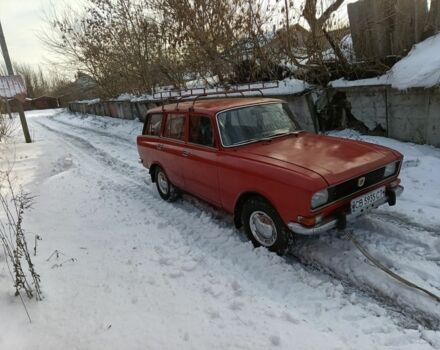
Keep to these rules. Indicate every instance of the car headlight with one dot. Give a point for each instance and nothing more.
(319, 198)
(390, 169)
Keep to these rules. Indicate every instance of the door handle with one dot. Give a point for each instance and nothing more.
(185, 153)
(159, 146)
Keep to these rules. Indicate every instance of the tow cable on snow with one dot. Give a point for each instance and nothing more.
(348, 234)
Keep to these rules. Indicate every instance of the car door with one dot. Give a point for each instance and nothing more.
(172, 147)
(200, 170)
(150, 139)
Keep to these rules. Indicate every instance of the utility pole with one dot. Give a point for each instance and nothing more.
(8, 63)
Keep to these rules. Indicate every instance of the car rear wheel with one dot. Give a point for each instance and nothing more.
(165, 188)
(264, 226)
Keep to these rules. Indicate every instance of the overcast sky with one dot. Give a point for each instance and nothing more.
(22, 20)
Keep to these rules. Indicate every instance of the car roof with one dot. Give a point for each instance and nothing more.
(215, 105)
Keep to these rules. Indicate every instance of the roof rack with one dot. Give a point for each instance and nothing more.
(197, 93)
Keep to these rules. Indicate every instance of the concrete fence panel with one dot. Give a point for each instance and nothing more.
(369, 106)
(301, 105)
(433, 125)
(407, 115)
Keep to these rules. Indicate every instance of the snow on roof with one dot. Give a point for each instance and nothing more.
(12, 86)
(420, 68)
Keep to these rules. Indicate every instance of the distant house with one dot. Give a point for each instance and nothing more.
(84, 81)
(42, 102)
(83, 87)
(14, 104)
(45, 102)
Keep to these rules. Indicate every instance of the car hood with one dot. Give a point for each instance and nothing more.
(333, 158)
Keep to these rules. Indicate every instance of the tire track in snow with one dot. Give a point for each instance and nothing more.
(309, 252)
(405, 221)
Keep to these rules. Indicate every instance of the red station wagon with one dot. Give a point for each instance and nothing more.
(249, 157)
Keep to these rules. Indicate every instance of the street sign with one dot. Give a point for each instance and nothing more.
(12, 86)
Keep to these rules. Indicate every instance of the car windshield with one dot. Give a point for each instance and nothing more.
(255, 123)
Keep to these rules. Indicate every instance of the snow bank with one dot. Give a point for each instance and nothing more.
(342, 83)
(125, 97)
(89, 102)
(420, 68)
(288, 86)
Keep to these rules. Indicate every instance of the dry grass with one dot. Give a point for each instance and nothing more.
(13, 205)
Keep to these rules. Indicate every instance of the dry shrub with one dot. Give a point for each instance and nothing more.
(13, 239)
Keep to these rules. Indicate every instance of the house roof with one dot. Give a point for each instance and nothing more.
(12, 86)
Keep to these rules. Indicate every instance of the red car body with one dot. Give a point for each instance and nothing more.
(286, 170)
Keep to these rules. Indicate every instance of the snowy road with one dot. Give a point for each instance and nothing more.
(149, 274)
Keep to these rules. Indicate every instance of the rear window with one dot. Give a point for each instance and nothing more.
(153, 125)
(175, 127)
(200, 131)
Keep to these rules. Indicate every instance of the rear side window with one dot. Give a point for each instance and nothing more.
(175, 127)
(153, 125)
(200, 131)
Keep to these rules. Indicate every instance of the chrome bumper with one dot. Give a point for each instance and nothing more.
(335, 222)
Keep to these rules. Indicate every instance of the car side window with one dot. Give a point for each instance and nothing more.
(200, 131)
(175, 127)
(153, 125)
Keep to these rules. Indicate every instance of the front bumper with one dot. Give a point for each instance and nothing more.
(341, 219)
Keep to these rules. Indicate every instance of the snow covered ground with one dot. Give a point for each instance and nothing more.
(135, 272)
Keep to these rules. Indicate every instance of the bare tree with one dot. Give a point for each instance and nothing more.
(308, 41)
(114, 41)
(212, 37)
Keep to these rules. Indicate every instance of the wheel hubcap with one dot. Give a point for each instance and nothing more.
(263, 228)
(163, 182)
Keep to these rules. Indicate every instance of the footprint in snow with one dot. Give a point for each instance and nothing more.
(411, 163)
(275, 340)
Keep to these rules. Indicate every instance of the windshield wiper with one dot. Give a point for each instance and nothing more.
(267, 138)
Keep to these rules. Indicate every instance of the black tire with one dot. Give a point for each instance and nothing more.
(257, 208)
(169, 192)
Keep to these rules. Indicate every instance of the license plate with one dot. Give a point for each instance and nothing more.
(367, 200)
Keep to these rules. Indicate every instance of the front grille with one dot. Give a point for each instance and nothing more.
(351, 186)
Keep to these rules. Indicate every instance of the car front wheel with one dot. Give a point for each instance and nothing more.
(264, 226)
(165, 188)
